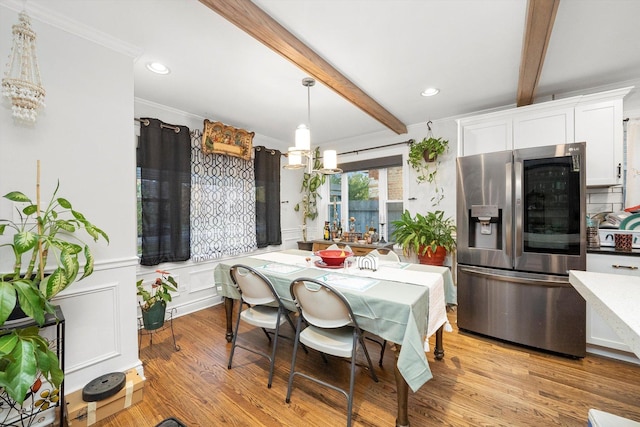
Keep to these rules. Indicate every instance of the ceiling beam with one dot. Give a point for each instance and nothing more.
(254, 21)
(540, 17)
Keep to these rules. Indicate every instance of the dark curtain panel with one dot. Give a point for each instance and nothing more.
(164, 158)
(267, 170)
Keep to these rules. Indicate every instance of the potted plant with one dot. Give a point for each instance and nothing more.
(311, 183)
(154, 302)
(430, 236)
(423, 158)
(47, 252)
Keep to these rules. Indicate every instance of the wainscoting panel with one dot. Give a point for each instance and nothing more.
(93, 312)
(200, 280)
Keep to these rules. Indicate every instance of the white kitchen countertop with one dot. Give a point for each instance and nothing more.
(616, 298)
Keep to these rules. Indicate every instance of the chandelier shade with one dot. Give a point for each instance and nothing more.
(301, 155)
(303, 138)
(21, 83)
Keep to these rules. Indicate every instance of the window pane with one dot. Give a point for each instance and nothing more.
(335, 201)
(363, 200)
(394, 211)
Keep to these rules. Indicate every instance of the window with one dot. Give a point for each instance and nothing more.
(373, 196)
(221, 205)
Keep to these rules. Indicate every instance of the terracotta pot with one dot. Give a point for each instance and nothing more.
(425, 156)
(431, 258)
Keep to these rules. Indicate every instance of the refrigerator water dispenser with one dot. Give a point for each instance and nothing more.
(485, 227)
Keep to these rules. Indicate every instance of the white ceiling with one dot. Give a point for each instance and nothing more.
(391, 49)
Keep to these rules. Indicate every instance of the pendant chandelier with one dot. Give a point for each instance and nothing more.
(22, 79)
(301, 156)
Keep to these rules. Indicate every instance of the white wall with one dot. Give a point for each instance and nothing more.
(83, 138)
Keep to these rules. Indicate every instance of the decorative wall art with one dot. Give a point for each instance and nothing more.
(222, 139)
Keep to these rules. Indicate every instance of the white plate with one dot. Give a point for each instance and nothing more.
(631, 222)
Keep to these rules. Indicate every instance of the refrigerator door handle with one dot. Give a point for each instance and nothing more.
(522, 278)
(508, 226)
(517, 209)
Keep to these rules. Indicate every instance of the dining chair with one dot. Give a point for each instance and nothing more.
(331, 329)
(389, 256)
(265, 311)
(336, 247)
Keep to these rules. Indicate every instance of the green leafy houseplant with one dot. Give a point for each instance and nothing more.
(311, 183)
(423, 158)
(160, 290)
(423, 234)
(44, 237)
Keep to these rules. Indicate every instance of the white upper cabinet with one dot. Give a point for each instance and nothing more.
(595, 119)
(597, 125)
(538, 128)
(487, 137)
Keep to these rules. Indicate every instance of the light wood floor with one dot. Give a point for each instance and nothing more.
(480, 382)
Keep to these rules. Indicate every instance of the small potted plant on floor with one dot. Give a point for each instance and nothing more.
(430, 236)
(154, 301)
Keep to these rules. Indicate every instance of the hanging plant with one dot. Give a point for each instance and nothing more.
(424, 159)
(311, 183)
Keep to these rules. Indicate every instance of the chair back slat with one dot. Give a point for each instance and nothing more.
(254, 287)
(320, 304)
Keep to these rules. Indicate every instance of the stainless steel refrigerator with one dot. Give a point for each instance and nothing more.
(521, 228)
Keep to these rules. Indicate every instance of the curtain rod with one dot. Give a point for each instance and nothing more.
(146, 122)
(409, 142)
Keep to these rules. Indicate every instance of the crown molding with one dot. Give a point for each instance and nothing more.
(57, 20)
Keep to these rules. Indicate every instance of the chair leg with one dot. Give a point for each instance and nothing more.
(267, 334)
(293, 360)
(235, 336)
(272, 360)
(352, 378)
(366, 353)
(382, 345)
(293, 328)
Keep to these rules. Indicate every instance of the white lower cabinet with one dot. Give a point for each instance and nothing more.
(601, 339)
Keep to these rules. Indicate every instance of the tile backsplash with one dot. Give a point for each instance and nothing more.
(604, 199)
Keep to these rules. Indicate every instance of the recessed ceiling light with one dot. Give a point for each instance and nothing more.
(430, 91)
(158, 68)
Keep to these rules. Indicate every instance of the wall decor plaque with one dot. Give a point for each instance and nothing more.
(219, 138)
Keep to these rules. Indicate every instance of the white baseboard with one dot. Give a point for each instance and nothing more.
(613, 354)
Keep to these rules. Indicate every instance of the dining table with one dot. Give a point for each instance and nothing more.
(402, 303)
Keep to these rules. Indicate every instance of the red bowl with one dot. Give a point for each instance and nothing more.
(333, 256)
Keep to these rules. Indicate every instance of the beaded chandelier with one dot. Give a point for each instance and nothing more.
(22, 80)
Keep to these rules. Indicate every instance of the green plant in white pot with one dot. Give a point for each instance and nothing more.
(47, 252)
